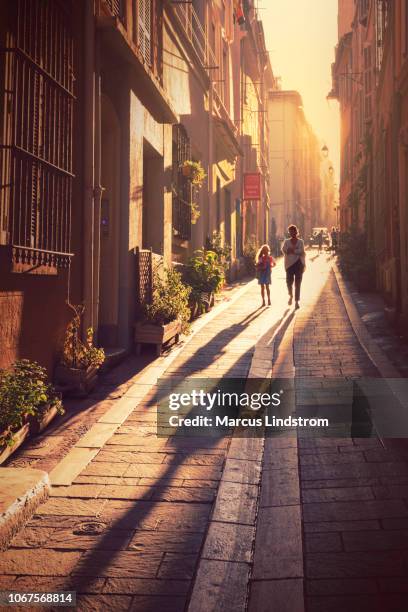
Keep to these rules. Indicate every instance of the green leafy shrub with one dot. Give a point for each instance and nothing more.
(77, 354)
(170, 300)
(356, 260)
(24, 391)
(204, 272)
(223, 252)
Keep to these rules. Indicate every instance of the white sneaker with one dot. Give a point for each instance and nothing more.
(290, 301)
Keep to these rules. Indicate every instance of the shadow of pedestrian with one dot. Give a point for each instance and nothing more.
(160, 534)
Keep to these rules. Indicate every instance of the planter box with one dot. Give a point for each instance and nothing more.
(76, 381)
(19, 437)
(150, 333)
(37, 425)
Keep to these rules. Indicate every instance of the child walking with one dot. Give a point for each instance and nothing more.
(264, 264)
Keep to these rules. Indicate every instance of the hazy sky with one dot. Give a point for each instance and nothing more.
(301, 35)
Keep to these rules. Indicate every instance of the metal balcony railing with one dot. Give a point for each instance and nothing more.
(194, 30)
(196, 34)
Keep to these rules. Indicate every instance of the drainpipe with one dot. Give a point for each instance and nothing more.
(98, 190)
(89, 135)
(210, 181)
(210, 160)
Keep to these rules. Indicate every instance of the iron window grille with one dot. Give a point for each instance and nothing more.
(182, 189)
(36, 151)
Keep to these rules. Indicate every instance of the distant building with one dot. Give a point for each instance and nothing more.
(294, 162)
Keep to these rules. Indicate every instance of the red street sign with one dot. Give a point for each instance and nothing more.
(252, 186)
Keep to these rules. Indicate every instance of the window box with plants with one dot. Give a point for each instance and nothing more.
(168, 314)
(28, 403)
(205, 275)
(77, 372)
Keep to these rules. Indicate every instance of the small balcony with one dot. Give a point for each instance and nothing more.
(194, 30)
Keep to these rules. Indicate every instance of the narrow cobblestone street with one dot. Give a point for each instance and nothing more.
(153, 523)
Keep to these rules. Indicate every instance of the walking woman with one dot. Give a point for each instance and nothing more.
(264, 264)
(295, 262)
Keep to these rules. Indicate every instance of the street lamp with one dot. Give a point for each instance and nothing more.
(325, 151)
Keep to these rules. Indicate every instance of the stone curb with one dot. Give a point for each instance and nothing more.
(22, 491)
(372, 349)
(230, 554)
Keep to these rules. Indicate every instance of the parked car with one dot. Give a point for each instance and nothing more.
(313, 240)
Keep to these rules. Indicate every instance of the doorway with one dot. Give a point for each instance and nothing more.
(108, 309)
(152, 214)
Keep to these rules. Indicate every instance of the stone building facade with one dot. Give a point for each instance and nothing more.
(369, 80)
(101, 103)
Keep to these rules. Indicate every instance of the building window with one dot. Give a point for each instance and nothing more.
(368, 83)
(225, 77)
(406, 27)
(381, 27)
(36, 150)
(145, 29)
(218, 204)
(182, 190)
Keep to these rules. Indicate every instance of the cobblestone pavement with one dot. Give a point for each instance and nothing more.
(141, 527)
(373, 312)
(127, 533)
(353, 491)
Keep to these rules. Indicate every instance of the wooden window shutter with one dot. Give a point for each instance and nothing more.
(145, 30)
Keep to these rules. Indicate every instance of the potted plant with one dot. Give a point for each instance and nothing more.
(223, 251)
(28, 402)
(168, 314)
(80, 361)
(194, 171)
(205, 274)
